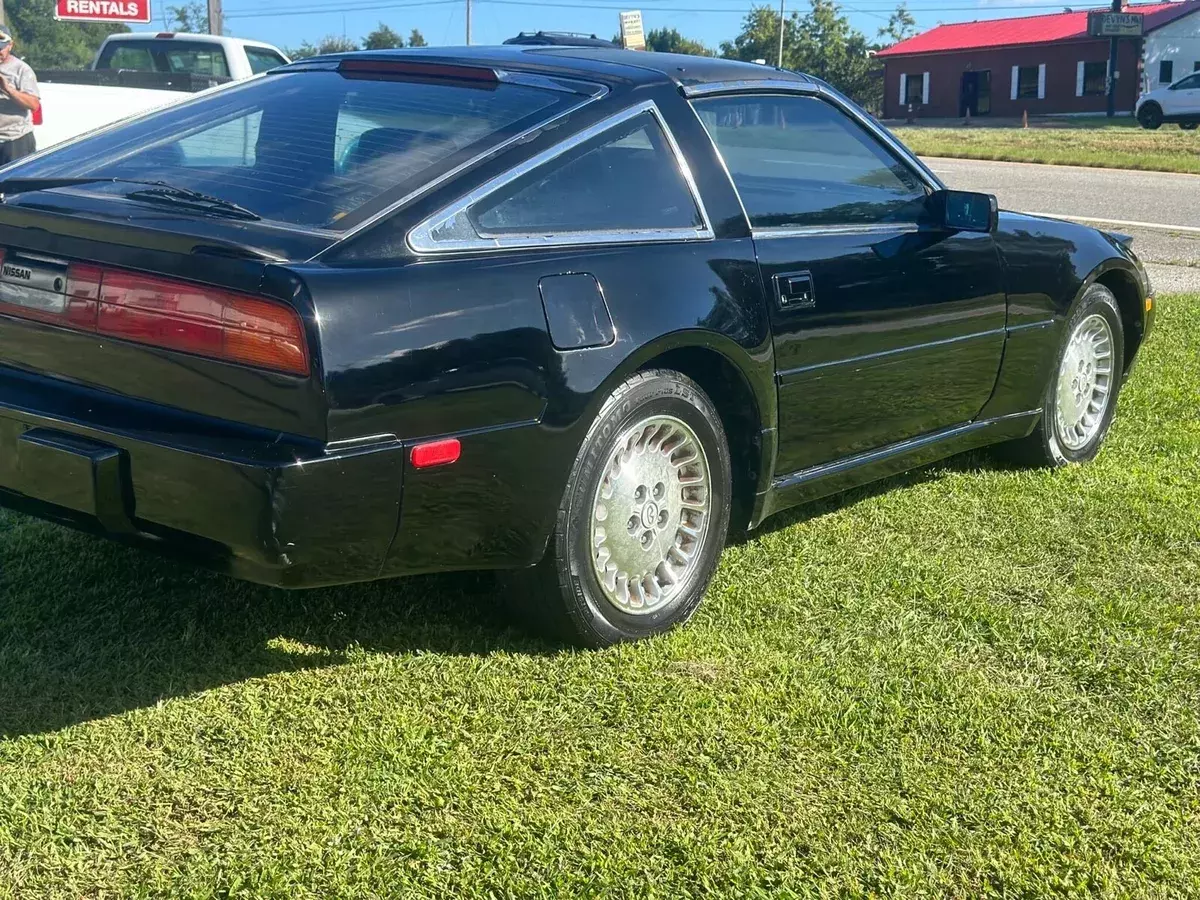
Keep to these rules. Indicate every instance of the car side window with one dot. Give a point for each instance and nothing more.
(799, 161)
(622, 183)
(263, 60)
(1190, 83)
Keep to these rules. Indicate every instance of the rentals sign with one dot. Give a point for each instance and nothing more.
(102, 10)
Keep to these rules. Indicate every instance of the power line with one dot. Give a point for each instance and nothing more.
(336, 7)
(293, 10)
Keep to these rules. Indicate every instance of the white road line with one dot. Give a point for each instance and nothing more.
(1156, 226)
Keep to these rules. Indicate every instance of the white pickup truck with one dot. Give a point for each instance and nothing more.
(133, 73)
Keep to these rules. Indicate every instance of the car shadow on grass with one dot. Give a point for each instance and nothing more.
(89, 628)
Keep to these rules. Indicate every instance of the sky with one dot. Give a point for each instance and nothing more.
(287, 23)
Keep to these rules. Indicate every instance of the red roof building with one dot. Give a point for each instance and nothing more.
(1036, 64)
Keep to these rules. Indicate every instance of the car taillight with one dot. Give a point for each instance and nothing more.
(178, 315)
(83, 295)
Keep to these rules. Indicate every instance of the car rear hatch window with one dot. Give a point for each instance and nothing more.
(312, 147)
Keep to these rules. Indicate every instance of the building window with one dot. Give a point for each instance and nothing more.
(1166, 71)
(913, 89)
(1027, 83)
(1095, 74)
(1196, 66)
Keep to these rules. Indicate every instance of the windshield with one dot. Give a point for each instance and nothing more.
(317, 149)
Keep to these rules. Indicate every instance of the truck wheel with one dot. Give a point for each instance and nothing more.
(1081, 398)
(1150, 116)
(1188, 126)
(643, 519)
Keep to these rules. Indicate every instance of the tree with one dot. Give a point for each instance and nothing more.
(901, 25)
(669, 40)
(821, 43)
(383, 38)
(839, 54)
(331, 43)
(759, 38)
(192, 17)
(416, 39)
(45, 43)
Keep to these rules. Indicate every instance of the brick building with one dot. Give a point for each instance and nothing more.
(1036, 64)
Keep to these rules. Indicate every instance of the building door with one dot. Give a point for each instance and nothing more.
(976, 95)
(983, 103)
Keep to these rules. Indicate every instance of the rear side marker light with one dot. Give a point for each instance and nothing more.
(436, 453)
(178, 315)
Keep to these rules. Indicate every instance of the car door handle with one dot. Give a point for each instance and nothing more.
(795, 291)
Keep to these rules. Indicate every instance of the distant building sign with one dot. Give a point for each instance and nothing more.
(102, 10)
(1111, 24)
(632, 35)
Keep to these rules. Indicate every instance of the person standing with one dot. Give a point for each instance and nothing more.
(19, 96)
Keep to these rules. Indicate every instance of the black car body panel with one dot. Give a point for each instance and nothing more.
(918, 343)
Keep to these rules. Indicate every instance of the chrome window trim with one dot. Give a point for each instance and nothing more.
(898, 150)
(435, 183)
(786, 231)
(691, 91)
(420, 237)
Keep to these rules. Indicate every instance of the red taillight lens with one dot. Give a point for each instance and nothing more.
(180, 315)
(83, 294)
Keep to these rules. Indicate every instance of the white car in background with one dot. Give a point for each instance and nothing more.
(134, 73)
(1177, 102)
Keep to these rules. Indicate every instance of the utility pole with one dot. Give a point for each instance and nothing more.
(1113, 47)
(214, 16)
(781, 2)
(3, 17)
(469, 20)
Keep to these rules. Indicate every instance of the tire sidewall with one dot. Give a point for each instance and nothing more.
(1150, 116)
(662, 393)
(1096, 299)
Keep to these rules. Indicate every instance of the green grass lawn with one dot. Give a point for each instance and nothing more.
(1122, 144)
(968, 681)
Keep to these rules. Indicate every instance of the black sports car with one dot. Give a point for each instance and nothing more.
(577, 313)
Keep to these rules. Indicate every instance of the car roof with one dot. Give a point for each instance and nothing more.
(558, 39)
(165, 36)
(597, 63)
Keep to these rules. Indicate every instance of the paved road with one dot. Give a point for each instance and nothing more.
(1161, 210)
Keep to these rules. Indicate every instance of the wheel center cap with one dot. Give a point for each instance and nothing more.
(650, 514)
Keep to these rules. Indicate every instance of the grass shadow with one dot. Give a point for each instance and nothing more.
(89, 628)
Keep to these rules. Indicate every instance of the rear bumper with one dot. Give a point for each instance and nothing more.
(253, 505)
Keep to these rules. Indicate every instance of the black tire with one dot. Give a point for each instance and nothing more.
(562, 596)
(1045, 447)
(1150, 116)
(1188, 126)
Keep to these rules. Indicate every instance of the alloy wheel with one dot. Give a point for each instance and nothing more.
(1085, 382)
(650, 515)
